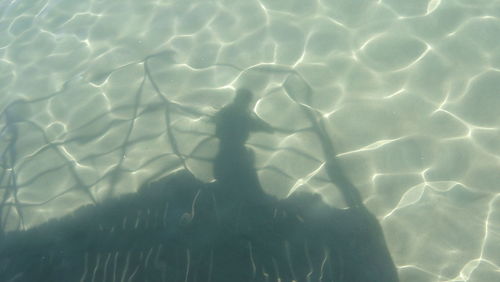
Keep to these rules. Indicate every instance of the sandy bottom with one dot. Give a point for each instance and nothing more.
(100, 96)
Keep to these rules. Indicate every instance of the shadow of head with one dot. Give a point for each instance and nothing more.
(243, 98)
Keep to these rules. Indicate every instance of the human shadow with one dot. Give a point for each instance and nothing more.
(300, 238)
(234, 164)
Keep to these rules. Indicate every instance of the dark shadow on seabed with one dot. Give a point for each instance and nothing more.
(179, 229)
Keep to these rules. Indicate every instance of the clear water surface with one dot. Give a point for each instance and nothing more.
(409, 91)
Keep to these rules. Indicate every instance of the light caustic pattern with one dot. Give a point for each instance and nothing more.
(98, 97)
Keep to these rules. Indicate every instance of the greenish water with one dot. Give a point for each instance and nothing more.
(408, 93)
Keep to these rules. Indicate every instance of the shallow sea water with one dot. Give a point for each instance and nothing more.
(409, 91)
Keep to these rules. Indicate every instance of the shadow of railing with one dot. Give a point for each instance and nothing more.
(181, 229)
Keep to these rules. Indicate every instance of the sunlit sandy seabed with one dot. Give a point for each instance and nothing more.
(409, 91)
